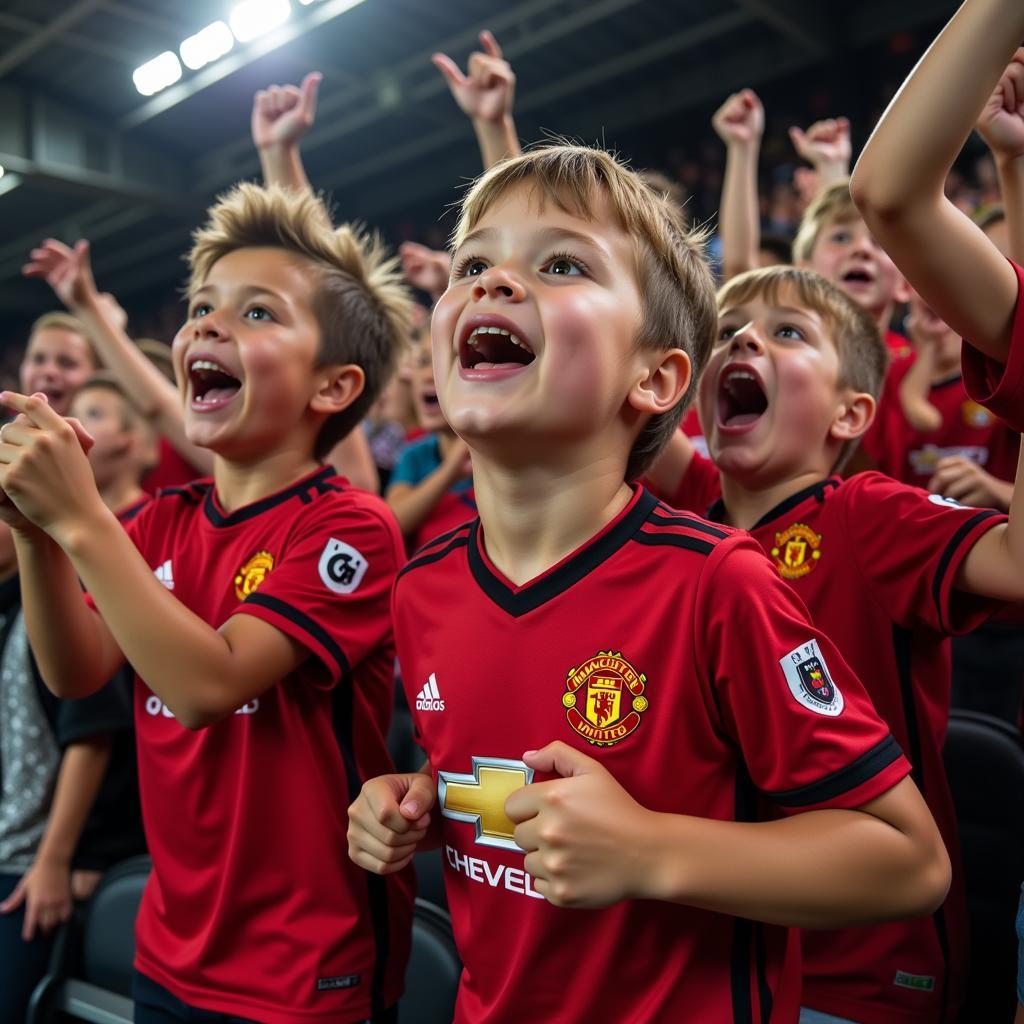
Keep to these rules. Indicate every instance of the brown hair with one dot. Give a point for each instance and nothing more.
(863, 356)
(675, 282)
(362, 307)
(58, 320)
(832, 205)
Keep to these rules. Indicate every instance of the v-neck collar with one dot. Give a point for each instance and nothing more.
(817, 490)
(301, 489)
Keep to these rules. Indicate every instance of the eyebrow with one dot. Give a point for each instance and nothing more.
(245, 292)
(543, 237)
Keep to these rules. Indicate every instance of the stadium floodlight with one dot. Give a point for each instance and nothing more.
(253, 18)
(306, 3)
(206, 45)
(2, 171)
(157, 74)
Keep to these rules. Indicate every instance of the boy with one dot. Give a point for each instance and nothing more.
(885, 569)
(57, 360)
(255, 612)
(579, 615)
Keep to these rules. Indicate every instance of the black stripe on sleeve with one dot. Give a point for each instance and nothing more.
(868, 765)
(947, 557)
(434, 556)
(304, 622)
(675, 540)
(670, 518)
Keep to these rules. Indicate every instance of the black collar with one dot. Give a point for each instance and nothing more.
(818, 490)
(304, 489)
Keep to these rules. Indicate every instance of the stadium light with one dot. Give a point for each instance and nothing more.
(206, 45)
(253, 18)
(157, 74)
(2, 171)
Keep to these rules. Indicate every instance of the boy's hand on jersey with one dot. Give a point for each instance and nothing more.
(282, 114)
(581, 832)
(44, 466)
(825, 146)
(739, 121)
(388, 820)
(425, 268)
(67, 271)
(965, 481)
(1001, 123)
(486, 93)
(45, 892)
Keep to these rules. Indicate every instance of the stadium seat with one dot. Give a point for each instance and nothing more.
(984, 759)
(405, 752)
(432, 978)
(90, 974)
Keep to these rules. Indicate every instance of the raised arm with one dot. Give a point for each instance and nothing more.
(739, 123)
(485, 96)
(899, 179)
(412, 503)
(826, 147)
(281, 116)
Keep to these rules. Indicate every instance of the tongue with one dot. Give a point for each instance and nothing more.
(741, 419)
(219, 394)
(498, 366)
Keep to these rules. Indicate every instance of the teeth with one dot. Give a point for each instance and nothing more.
(475, 336)
(205, 364)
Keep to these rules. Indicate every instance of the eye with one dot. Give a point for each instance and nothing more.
(470, 266)
(840, 237)
(200, 309)
(258, 313)
(790, 332)
(726, 331)
(564, 265)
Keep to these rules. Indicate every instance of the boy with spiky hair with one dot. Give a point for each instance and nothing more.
(606, 688)
(254, 609)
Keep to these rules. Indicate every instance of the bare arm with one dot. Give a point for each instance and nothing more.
(739, 123)
(899, 179)
(826, 147)
(281, 115)
(412, 503)
(915, 389)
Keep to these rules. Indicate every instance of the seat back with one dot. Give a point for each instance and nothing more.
(432, 977)
(984, 758)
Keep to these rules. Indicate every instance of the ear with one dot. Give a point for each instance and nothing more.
(902, 292)
(666, 376)
(336, 388)
(853, 416)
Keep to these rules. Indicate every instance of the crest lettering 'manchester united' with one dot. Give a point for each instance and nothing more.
(796, 551)
(604, 698)
(253, 573)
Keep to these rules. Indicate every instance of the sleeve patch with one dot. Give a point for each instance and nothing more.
(809, 681)
(938, 499)
(342, 567)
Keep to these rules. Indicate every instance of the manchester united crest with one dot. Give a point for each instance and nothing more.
(796, 551)
(604, 698)
(253, 573)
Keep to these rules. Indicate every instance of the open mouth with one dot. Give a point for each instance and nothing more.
(211, 384)
(430, 401)
(741, 398)
(857, 277)
(494, 348)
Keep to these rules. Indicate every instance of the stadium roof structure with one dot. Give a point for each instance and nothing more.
(85, 155)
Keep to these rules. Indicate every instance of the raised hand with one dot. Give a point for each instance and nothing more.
(825, 146)
(425, 268)
(740, 119)
(282, 114)
(67, 271)
(388, 821)
(1001, 123)
(487, 91)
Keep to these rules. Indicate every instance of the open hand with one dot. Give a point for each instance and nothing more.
(1001, 122)
(424, 268)
(486, 93)
(67, 271)
(740, 119)
(282, 114)
(45, 892)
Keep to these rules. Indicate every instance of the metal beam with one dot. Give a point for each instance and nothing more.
(72, 40)
(21, 52)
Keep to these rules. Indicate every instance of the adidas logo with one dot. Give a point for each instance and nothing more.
(164, 574)
(429, 698)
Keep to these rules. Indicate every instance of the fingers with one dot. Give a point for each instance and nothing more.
(490, 44)
(35, 408)
(560, 759)
(308, 94)
(453, 76)
(15, 900)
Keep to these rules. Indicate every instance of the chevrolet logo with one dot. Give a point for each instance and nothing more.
(480, 798)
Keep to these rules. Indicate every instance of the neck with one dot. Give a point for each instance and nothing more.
(745, 505)
(534, 516)
(120, 494)
(241, 483)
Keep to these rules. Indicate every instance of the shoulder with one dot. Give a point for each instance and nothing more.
(671, 528)
(333, 505)
(439, 554)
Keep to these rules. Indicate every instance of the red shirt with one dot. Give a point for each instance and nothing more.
(254, 908)
(968, 429)
(997, 387)
(897, 344)
(669, 650)
(874, 561)
(170, 471)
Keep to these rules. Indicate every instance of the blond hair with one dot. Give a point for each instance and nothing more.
(863, 355)
(363, 310)
(675, 282)
(61, 321)
(832, 205)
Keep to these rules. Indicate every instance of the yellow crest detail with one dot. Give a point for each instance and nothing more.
(253, 573)
(797, 551)
(604, 698)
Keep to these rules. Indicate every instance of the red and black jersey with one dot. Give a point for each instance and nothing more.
(668, 649)
(997, 387)
(254, 908)
(874, 561)
(968, 429)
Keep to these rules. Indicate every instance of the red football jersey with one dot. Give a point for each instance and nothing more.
(968, 429)
(874, 561)
(997, 387)
(254, 908)
(668, 649)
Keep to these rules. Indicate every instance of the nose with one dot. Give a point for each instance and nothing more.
(746, 339)
(498, 283)
(210, 327)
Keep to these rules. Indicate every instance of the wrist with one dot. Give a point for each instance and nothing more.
(85, 528)
(1008, 162)
(657, 866)
(53, 859)
(492, 125)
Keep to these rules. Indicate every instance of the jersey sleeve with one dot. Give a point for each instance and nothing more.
(699, 488)
(997, 387)
(908, 545)
(330, 589)
(800, 718)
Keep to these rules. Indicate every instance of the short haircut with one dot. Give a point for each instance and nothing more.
(676, 286)
(665, 187)
(61, 321)
(363, 309)
(832, 205)
(863, 355)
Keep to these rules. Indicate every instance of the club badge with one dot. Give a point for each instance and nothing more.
(796, 551)
(252, 574)
(604, 698)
